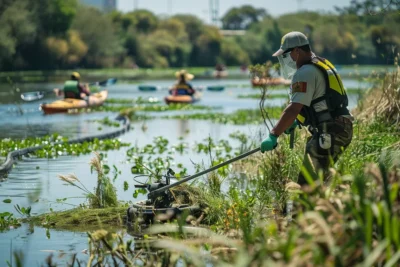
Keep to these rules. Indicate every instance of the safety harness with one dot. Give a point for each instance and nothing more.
(335, 97)
(71, 89)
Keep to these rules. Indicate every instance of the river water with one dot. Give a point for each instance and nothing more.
(39, 177)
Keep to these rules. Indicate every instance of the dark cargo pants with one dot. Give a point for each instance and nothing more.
(316, 159)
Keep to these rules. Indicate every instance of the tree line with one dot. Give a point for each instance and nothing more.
(62, 34)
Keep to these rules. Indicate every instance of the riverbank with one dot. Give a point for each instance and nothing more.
(137, 75)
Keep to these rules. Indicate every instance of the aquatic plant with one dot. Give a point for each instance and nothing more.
(24, 211)
(269, 96)
(335, 225)
(107, 122)
(8, 221)
(239, 117)
(126, 108)
(138, 100)
(50, 150)
(104, 194)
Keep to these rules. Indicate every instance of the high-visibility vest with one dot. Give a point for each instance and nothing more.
(71, 89)
(335, 97)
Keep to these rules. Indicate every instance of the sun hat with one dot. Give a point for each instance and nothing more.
(187, 75)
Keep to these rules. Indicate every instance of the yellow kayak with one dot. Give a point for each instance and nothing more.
(67, 104)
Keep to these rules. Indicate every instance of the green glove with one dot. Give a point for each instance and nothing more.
(269, 143)
(292, 127)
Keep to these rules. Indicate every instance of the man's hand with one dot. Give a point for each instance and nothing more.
(292, 127)
(269, 143)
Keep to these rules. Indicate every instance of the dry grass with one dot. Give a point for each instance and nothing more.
(383, 102)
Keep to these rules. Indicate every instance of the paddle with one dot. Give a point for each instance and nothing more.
(107, 82)
(31, 96)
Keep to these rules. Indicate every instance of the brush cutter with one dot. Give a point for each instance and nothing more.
(160, 198)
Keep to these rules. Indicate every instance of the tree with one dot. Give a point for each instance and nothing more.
(242, 17)
(385, 41)
(193, 26)
(232, 53)
(253, 45)
(174, 50)
(207, 47)
(96, 31)
(143, 20)
(369, 7)
(175, 27)
(17, 29)
(55, 16)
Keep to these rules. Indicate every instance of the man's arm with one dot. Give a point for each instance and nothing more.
(287, 118)
(84, 88)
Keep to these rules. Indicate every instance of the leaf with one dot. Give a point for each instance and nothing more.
(48, 233)
(7, 200)
(5, 214)
(106, 169)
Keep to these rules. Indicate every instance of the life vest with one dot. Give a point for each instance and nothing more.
(335, 97)
(71, 89)
(183, 89)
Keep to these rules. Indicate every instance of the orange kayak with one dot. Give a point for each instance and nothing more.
(184, 99)
(68, 104)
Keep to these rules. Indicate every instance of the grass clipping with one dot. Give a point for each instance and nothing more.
(384, 102)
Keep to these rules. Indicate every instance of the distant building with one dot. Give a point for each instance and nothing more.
(104, 5)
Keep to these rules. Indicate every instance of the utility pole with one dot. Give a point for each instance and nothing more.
(135, 5)
(214, 11)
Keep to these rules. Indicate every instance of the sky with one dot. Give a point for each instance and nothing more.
(200, 8)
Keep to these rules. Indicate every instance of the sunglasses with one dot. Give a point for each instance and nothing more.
(289, 50)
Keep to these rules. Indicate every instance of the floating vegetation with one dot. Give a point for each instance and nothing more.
(138, 100)
(8, 221)
(82, 218)
(52, 147)
(107, 122)
(239, 117)
(126, 108)
(269, 96)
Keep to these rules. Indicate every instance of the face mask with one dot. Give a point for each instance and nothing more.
(288, 65)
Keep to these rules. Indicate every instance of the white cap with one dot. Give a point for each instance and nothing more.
(291, 40)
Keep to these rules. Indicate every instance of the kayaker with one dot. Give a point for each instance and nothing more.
(74, 89)
(318, 100)
(183, 87)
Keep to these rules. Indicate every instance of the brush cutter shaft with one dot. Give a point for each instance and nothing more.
(162, 189)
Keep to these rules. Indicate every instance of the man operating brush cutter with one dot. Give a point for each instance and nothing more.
(318, 100)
